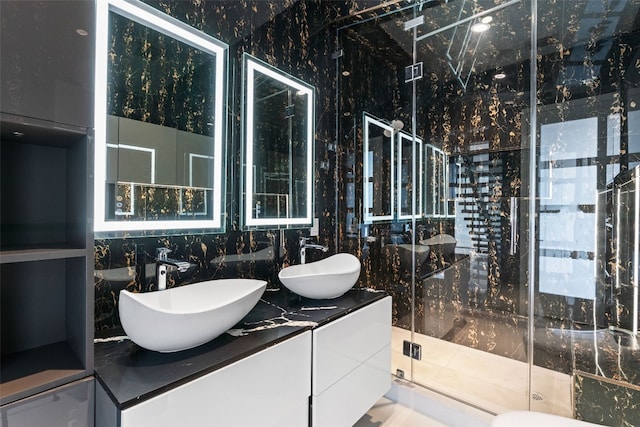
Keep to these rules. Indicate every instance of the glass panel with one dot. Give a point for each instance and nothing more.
(458, 271)
(626, 220)
(471, 297)
(587, 142)
(526, 296)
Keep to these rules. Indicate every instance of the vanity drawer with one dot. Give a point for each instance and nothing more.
(361, 388)
(269, 388)
(345, 344)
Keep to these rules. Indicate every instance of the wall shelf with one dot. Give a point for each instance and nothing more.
(46, 213)
(46, 254)
(39, 254)
(39, 369)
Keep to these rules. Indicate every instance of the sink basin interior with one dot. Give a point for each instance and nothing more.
(325, 279)
(188, 316)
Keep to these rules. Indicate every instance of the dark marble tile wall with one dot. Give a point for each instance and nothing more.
(128, 263)
(490, 314)
(586, 68)
(605, 402)
(158, 79)
(452, 118)
(294, 36)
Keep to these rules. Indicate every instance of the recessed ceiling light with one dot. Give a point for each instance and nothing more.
(480, 27)
(487, 19)
(499, 76)
(346, 73)
(82, 32)
(18, 134)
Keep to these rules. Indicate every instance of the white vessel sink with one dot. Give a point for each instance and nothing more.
(324, 279)
(188, 316)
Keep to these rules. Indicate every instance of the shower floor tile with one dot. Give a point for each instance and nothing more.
(495, 383)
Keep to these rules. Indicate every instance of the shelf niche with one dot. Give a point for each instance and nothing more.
(46, 256)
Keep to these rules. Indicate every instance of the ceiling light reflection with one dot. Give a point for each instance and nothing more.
(480, 27)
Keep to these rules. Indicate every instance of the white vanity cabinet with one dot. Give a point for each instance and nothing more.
(268, 388)
(326, 376)
(351, 365)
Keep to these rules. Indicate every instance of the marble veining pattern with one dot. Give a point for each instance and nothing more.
(283, 319)
(594, 397)
(132, 374)
(478, 297)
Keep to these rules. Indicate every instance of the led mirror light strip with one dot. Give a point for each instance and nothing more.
(154, 19)
(402, 137)
(253, 66)
(367, 196)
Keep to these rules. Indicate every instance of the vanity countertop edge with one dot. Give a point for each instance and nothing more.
(130, 374)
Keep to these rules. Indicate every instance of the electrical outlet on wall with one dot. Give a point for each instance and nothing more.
(314, 230)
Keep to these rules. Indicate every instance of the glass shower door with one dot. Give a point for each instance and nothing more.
(511, 282)
(473, 103)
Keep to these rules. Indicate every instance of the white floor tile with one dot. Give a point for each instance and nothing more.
(387, 413)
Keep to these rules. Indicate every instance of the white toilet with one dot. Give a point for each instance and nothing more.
(535, 419)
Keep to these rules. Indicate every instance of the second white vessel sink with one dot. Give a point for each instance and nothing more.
(188, 316)
(325, 279)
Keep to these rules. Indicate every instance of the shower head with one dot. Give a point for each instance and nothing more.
(397, 124)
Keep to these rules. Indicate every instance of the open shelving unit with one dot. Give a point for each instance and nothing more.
(46, 256)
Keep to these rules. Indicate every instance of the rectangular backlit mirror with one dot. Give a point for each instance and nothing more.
(278, 136)
(436, 178)
(408, 188)
(379, 170)
(159, 122)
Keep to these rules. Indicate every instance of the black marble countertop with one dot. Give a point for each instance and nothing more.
(131, 374)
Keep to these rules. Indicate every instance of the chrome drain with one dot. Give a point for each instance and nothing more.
(537, 396)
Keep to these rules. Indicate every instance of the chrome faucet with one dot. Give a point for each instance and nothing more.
(163, 262)
(304, 244)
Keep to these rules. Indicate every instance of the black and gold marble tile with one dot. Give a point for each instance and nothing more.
(602, 401)
(585, 67)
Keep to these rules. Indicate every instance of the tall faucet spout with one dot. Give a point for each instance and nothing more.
(163, 262)
(304, 244)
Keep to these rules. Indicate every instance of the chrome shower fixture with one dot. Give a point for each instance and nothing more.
(397, 126)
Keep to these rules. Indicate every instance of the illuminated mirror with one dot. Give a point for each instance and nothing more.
(436, 179)
(278, 122)
(379, 169)
(159, 122)
(406, 189)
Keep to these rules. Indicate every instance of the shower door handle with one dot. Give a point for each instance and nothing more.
(513, 222)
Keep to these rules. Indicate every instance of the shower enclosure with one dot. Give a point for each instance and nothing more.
(479, 141)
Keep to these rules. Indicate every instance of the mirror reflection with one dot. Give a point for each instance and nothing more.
(159, 122)
(436, 177)
(379, 169)
(278, 147)
(389, 179)
(406, 189)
